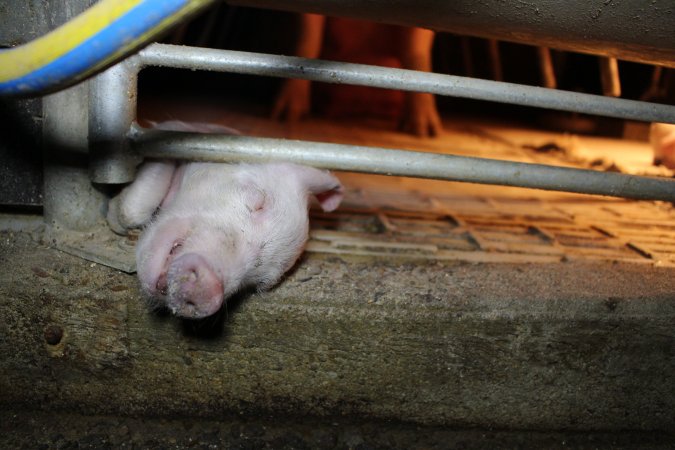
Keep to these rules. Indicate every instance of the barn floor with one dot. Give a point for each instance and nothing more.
(423, 315)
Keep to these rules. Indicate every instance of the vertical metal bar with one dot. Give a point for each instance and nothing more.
(112, 110)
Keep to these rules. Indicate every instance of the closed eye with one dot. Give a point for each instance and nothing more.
(176, 245)
(255, 199)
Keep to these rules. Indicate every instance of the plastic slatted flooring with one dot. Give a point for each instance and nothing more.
(411, 224)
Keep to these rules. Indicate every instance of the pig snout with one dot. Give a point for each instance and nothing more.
(192, 287)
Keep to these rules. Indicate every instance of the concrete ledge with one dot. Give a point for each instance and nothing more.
(560, 346)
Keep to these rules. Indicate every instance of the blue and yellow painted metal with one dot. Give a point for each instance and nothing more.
(100, 36)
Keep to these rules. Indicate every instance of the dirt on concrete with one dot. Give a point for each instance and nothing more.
(572, 346)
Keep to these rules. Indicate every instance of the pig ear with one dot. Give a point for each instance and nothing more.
(325, 186)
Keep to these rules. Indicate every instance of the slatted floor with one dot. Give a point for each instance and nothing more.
(484, 229)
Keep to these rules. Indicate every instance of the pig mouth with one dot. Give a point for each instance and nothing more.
(188, 284)
(161, 286)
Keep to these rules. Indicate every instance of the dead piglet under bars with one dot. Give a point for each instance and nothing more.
(213, 229)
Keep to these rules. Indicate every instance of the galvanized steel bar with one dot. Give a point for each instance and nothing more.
(406, 80)
(112, 111)
(220, 148)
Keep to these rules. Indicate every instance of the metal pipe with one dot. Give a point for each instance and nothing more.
(112, 110)
(407, 80)
(221, 148)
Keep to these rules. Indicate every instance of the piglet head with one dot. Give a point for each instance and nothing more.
(190, 265)
(228, 227)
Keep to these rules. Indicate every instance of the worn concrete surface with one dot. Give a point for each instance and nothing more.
(561, 346)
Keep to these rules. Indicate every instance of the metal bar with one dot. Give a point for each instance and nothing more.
(221, 148)
(406, 80)
(112, 110)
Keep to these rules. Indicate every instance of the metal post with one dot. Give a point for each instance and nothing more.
(112, 110)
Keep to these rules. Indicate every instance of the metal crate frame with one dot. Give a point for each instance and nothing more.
(117, 145)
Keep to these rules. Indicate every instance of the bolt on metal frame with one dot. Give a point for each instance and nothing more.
(116, 143)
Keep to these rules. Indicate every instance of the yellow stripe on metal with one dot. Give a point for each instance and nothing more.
(22, 60)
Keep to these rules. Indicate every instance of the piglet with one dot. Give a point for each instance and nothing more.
(662, 139)
(213, 229)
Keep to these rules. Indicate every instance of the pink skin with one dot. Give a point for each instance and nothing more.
(195, 289)
(662, 139)
(220, 228)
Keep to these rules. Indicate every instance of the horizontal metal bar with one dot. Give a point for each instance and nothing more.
(221, 148)
(401, 79)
